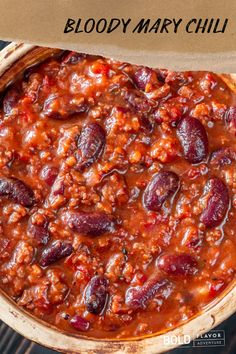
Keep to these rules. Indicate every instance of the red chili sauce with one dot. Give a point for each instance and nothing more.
(118, 194)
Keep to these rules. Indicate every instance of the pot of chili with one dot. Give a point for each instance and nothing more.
(117, 192)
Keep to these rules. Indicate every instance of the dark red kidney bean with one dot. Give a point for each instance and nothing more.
(73, 57)
(56, 251)
(217, 203)
(161, 187)
(96, 294)
(80, 323)
(16, 190)
(139, 296)
(223, 156)
(49, 174)
(65, 107)
(143, 76)
(38, 231)
(10, 100)
(193, 139)
(89, 223)
(91, 145)
(181, 264)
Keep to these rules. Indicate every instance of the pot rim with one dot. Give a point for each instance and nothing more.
(47, 335)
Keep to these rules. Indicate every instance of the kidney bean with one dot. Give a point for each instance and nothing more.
(217, 203)
(96, 294)
(16, 190)
(161, 187)
(223, 156)
(91, 144)
(89, 223)
(56, 251)
(10, 100)
(38, 230)
(139, 296)
(143, 76)
(80, 323)
(181, 264)
(193, 138)
(49, 174)
(63, 107)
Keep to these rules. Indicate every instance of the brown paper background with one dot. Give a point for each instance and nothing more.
(43, 21)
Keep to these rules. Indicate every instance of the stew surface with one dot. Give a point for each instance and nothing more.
(118, 194)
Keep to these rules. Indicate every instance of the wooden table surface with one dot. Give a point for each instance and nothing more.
(12, 343)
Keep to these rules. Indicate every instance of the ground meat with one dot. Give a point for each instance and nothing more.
(118, 194)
